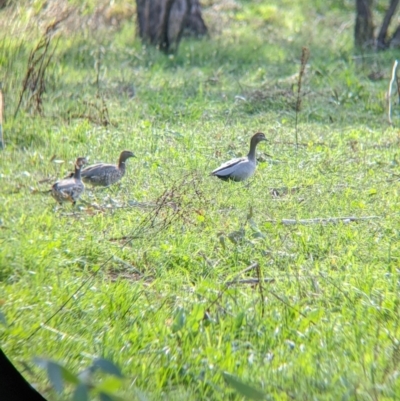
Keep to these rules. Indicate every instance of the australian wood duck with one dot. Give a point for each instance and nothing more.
(104, 175)
(70, 189)
(241, 168)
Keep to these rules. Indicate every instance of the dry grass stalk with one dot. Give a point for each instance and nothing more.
(305, 54)
(39, 59)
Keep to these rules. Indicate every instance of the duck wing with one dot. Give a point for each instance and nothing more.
(229, 168)
(100, 174)
(68, 189)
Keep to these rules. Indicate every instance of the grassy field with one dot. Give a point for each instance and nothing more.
(141, 273)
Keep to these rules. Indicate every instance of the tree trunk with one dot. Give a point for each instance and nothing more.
(161, 22)
(395, 41)
(364, 29)
(195, 25)
(382, 41)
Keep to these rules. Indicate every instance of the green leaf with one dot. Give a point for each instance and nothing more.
(3, 319)
(68, 376)
(110, 384)
(54, 373)
(179, 321)
(239, 320)
(57, 373)
(244, 389)
(109, 397)
(105, 397)
(107, 367)
(81, 393)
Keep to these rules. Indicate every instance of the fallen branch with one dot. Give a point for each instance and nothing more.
(254, 265)
(322, 220)
(393, 78)
(250, 281)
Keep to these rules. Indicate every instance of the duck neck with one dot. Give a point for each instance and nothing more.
(252, 153)
(77, 173)
(121, 165)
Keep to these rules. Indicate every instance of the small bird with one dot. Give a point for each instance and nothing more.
(242, 168)
(70, 189)
(104, 175)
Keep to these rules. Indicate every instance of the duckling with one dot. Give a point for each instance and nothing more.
(242, 168)
(70, 189)
(104, 175)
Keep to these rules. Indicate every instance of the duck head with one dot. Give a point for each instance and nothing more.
(125, 154)
(80, 161)
(257, 138)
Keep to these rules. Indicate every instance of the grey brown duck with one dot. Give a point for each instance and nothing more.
(104, 175)
(70, 189)
(242, 168)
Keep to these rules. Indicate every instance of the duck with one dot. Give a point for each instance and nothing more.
(71, 188)
(104, 175)
(242, 168)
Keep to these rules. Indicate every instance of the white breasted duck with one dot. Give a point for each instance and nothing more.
(242, 168)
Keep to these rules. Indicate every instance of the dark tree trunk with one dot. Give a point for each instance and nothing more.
(161, 22)
(364, 29)
(195, 25)
(395, 42)
(382, 40)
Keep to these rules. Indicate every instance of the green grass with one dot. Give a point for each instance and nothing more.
(157, 305)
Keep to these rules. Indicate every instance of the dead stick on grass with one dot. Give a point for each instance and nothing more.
(254, 265)
(251, 281)
(322, 220)
(327, 220)
(393, 78)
